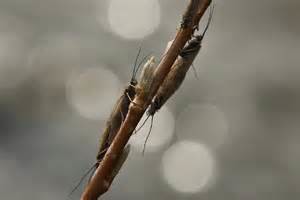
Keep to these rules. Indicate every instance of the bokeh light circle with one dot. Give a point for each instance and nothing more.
(161, 134)
(188, 167)
(93, 92)
(54, 57)
(203, 122)
(133, 19)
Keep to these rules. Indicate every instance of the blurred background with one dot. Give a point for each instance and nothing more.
(232, 133)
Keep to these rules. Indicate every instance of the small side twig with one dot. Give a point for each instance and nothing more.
(102, 180)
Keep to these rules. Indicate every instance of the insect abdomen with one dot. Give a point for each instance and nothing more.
(176, 75)
(113, 125)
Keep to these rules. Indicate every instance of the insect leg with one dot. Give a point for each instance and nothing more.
(132, 85)
(131, 100)
(148, 135)
(195, 72)
(136, 130)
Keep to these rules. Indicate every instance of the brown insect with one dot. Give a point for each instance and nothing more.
(176, 75)
(115, 120)
(113, 125)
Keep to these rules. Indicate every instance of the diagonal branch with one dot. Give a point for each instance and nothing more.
(101, 181)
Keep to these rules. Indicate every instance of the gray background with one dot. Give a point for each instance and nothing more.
(249, 68)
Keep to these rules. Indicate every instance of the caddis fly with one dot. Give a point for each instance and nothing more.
(114, 122)
(176, 75)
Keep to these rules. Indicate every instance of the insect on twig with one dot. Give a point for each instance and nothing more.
(99, 184)
(119, 112)
(176, 75)
(115, 120)
(141, 88)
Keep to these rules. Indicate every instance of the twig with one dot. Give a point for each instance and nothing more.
(101, 181)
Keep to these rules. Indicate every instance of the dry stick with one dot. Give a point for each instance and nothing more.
(101, 181)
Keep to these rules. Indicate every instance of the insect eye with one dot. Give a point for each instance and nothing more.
(133, 82)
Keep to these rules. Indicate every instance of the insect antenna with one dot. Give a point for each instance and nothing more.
(92, 169)
(93, 172)
(211, 11)
(134, 70)
(148, 135)
(143, 60)
(82, 178)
